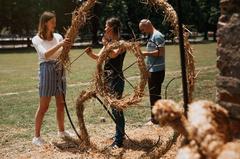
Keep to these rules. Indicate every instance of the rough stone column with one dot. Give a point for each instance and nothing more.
(228, 57)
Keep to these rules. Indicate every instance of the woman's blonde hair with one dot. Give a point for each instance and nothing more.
(42, 28)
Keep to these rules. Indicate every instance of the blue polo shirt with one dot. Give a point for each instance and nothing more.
(155, 64)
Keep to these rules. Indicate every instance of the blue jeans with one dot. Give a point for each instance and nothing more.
(117, 87)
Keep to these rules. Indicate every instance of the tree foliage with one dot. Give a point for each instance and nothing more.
(21, 16)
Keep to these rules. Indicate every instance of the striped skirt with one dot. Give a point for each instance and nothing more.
(52, 80)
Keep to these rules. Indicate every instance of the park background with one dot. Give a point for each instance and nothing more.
(19, 64)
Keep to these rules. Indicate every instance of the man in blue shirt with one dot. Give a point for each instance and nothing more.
(155, 53)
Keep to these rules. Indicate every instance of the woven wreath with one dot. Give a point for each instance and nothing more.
(100, 86)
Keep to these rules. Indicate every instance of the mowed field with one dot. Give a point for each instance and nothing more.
(19, 94)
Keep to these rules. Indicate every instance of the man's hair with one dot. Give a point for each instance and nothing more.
(145, 22)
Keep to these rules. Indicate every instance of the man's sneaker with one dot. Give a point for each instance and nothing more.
(38, 141)
(155, 121)
(64, 134)
(151, 122)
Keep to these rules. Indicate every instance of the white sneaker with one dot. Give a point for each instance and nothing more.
(64, 134)
(149, 123)
(38, 141)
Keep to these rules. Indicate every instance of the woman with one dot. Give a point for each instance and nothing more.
(52, 81)
(113, 74)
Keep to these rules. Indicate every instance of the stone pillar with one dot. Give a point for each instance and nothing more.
(228, 57)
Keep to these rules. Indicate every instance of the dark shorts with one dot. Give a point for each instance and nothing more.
(51, 80)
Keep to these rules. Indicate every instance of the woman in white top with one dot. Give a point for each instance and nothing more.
(51, 79)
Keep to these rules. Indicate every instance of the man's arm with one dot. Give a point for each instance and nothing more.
(159, 42)
(159, 52)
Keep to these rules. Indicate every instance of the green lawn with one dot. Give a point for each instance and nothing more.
(19, 74)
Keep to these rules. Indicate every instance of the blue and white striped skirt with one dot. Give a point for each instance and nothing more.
(52, 80)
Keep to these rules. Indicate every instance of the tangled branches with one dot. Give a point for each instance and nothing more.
(79, 19)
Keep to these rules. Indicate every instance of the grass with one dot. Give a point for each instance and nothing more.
(19, 73)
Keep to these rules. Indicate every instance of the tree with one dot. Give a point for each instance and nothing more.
(12, 19)
(21, 17)
(116, 8)
(209, 12)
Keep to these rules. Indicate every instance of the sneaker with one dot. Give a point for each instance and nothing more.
(114, 138)
(64, 134)
(151, 122)
(38, 141)
(116, 145)
(155, 121)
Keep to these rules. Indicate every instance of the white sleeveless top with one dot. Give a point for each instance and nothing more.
(42, 46)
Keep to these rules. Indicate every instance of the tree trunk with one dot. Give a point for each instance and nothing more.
(228, 60)
(94, 30)
(206, 31)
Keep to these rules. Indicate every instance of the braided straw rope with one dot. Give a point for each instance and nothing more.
(84, 96)
(171, 17)
(101, 88)
(79, 19)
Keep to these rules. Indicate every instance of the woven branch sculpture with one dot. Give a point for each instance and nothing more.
(100, 88)
(136, 96)
(79, 19)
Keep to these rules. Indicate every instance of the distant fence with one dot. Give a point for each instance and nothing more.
(26, 42)
(15, 42)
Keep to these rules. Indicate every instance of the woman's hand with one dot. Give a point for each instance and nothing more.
(88, 50)
(65, 42)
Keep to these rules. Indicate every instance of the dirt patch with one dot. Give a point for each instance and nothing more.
(145, 142)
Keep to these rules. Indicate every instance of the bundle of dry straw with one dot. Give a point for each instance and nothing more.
(190, 66)
(79, 19)
(207, 127)
(80, 109)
